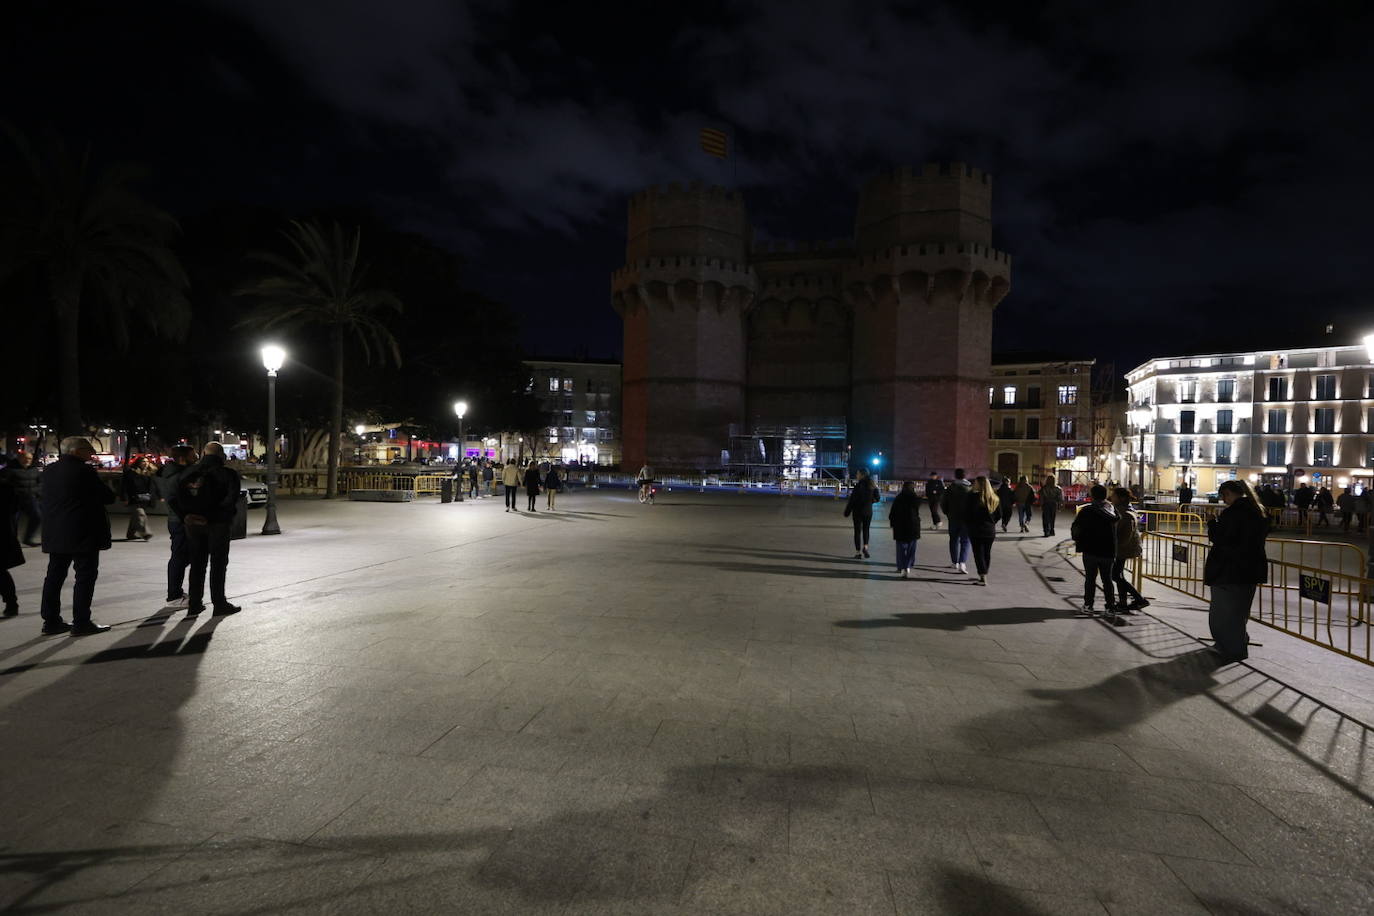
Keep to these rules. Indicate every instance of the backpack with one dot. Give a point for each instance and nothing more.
(199, 492)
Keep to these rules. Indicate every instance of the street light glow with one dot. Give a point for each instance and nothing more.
(359, 429)
(1369, 346)
(272, 358)
(460, 408)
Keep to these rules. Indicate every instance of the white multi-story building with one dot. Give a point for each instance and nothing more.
(1273, 416)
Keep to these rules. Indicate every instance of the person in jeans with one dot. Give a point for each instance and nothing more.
(165, 485)
(905, 520)
(1094, 536)
(207, 497)
(138, 496)
(1025, 498)
(859, 510)
(1127, 548)
(1236, 565)
(982, 508)
(1006, 502)
(510, 479)
(75, 530)
(952, 504)
(1051, 498)
(935, 488)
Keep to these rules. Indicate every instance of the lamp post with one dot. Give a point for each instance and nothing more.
(272, 358)
(358, 431)
(1141, 416)
(461, 408)
(1369, 552)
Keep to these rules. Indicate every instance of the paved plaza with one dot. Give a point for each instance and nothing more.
(702, 706)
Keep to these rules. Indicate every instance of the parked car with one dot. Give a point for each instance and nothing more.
(256, 492)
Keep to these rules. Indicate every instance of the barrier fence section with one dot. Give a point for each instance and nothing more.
(1318, 599)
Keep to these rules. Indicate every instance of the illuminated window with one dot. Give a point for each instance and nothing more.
(1065, 451)
(1226, 390)
(1185, 449)
(1187, 391)
(1274, 454)
(1326, 387)
(1224, 451)
(1067, 427)
(991, 392)
(553, 384)
(591, 416)
(567, 384)
(1278, 421)
(1224, 421)
(1322, 452)
(1009, 394)
(1068, 394)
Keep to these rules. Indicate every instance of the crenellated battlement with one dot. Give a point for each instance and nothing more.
(886, 255)
(716, 265)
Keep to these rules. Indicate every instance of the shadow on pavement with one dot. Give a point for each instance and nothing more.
(959, 620)
(809, 572)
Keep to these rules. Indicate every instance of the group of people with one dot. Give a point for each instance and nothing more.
(973, 510)
(535, 481)
(201, 493)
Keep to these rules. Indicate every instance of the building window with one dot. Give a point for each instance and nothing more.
(1185, 449)
(1187, 391)
(1068, 394)
(1369, 420)
(1032, 427)
(1187, 420)
(991, 391)
(1223, 451)
(1278, 389)
(1009, 394)
(553, 384)
(1324, 420)
(567, 384)
(1274, 454)
(1067, 426)
(591, 416)
(1369, 456)
(1326, 387)
(1322, 452)
(1008, 427)
(1369, 386)
(1065, 451)
(1278, 421)
(1224, 421)
(605, 435)
(1226, 390)
(1033, 396)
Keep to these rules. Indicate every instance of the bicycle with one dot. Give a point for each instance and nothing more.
(647, 489)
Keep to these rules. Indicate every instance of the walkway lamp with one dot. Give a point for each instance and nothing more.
(1141, 417)
(273, 357)
(461, 408)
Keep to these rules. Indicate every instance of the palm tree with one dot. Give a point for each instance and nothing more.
(96, 247)
(322, 285)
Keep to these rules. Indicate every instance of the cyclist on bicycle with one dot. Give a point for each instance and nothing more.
(646, 481)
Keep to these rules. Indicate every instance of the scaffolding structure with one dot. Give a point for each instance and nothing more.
(814, 448)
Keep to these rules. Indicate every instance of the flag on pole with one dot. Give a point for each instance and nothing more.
(715, 143)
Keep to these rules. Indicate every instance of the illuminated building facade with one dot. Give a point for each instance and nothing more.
(580, 400)
(1041, 421)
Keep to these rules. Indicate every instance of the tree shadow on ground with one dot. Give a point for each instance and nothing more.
(959, 620)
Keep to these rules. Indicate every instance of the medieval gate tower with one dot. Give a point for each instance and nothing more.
(890, 330)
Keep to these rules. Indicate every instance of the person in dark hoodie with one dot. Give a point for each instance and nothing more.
(905, 520)
(1235, 567)
(1094, 536)
(207, 497)
(935, 488)
(859, 510)
(1006, 500)
(165, 485)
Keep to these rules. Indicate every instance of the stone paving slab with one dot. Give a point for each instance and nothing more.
(701, 706)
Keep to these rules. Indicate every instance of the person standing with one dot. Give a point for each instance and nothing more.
(1324, 502)
(11, 554)
(474, 480)
(905, 520)
(981, 511)
(510, 479)
(1303, 499)
(1185, 494)
(859, 510)
(1094, 536)
(1006, 502)
(1345, 502)
(532, 481)
(1025, 498)
(138, 496)
(952, 503)
(1235, 567)
(552, 484)
(75, 530)
(489, 477)
(165, 485)
(1051, 498)
(1127, 548)
(207, 497)
(935, 488)
(1362, 506)
(23, 476)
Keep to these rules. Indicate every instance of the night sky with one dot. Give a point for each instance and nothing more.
(1169, 177)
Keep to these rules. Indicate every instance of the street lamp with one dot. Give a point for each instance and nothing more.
(461, 408)
(1141, 417)
(272, 358)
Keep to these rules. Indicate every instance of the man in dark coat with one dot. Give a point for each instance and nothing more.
(207, 497)
(11, 554)
(952, 504)
(1094, 536)
(23, 476)
(165, 483)
(935, 488)
(75, 530)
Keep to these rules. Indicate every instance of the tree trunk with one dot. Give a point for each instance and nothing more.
(65, 294)
(336, 421)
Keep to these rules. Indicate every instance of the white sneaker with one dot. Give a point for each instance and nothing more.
(963, 568)
(904, 574)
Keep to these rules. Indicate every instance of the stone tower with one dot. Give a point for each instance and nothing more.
(923, 284)
(682, 295)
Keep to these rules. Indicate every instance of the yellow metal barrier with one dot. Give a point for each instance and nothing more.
(432, 483)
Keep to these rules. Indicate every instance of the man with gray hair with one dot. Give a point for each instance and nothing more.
(75, 530)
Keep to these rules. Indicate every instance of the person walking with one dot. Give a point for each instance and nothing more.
(207, 497)
(1345, 502)
(1235, 567)
(138, 496)
(475, 480)
(1006, 502)
(22, 474)
(1303, 499)
(952, 504)
(510, 479)
(1025, 498)
(904, 518)
(1362, 506)
(1324, 502)
(981, 511)
(859, 510)
(532, 481)
(165, 486)
(75, 530)
(1051, 498)
(11, 554)
(935, 488)
(1094, 536)
(552, 484)
(1127, 548)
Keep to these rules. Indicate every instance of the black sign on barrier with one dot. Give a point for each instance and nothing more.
(1181, 553)
(1315, 589)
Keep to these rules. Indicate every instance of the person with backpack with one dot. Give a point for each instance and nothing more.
(859, 509)
(905, 520)
(1094, 536)
(953, 503)
(207, 497)
(165, 485)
